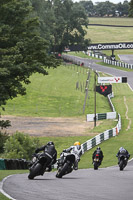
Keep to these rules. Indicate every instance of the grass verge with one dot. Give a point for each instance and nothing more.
(56, 95)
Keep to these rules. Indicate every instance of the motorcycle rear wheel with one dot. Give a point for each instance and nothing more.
(35, 171)
(62, 172)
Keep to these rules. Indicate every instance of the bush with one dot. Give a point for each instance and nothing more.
(20, 146)
(5, 124)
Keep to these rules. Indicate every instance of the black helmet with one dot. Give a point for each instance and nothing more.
(50, 143)
(98, 148)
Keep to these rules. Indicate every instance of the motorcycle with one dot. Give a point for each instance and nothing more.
(122, 161)
(38, 165)
(65, 164)
(96, 161)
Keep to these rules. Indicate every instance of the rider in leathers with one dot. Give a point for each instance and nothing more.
(77, 151)
(122, 151)
(50, 153)
(98, 151)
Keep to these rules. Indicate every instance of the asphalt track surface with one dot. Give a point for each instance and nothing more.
(84, 184)
(112, 71)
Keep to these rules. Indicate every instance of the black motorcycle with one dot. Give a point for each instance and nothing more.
(122, 161)
(96, 161)
(65, 164)
(38, 165)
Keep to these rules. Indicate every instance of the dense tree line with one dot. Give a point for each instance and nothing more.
(105, 8)
(62, 22)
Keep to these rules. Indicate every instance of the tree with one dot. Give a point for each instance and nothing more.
(131, 8)
(64, 20)
(89, 7)
(105, 8)
(22, 50)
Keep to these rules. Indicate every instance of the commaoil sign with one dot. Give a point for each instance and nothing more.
(111, 46)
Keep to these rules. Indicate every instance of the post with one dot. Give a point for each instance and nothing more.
(95, 100)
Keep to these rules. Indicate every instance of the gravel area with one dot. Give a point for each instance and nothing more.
(48, 126)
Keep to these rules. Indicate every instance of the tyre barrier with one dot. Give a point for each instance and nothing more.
(13, 164)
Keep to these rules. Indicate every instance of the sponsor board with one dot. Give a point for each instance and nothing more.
(111, 46)
(112, 79)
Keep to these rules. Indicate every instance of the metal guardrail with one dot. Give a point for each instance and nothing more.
(118, 63)
(111, 62)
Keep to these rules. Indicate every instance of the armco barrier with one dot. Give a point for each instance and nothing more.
(111, 62)
(89, 144)
(118, 63)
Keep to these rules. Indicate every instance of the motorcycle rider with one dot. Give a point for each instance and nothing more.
(98, 151)
(77, 151)
(123, 152)
(50, 153)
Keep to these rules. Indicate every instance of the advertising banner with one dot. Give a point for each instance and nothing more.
(112, 80)
(111, 46)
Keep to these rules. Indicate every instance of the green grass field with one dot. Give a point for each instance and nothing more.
(111, 21)
(56, 95)
(103, 34)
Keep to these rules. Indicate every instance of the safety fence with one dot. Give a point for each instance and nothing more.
(13, 164)
(89, 144)
(98, 55)
(101, 116)
(118, 63)
(107, 60)
(72, 59)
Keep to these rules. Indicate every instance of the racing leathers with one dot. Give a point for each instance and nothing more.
(98, 151)
(77, 151)
(122, 151)
(50, 153)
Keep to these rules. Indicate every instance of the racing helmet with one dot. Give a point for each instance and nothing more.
(50, 143)
(98, 148)
(77, 143)
(121, 149)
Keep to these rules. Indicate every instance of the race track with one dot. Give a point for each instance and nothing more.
(85, 184)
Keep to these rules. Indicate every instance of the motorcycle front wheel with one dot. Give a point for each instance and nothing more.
(35, 171)
(61, 172)
(95, 165)
(121, 165)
